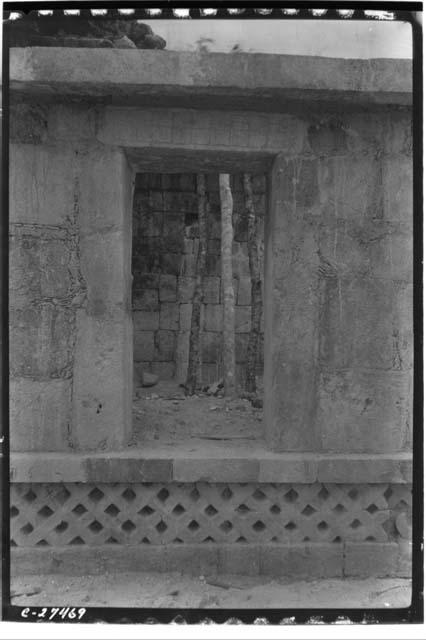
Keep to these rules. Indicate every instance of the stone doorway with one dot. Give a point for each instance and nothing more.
(165, 237)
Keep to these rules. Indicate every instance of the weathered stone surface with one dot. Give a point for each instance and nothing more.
(244, 291)
(214, 470)
(371, 559)
(291, 320)
(144, 348)
(146, 300)
(374, 248)
(39, 267)
(398, 188)
(242, 319)
(102, 387)
(168, 284)
(182, 355)
(211, 346)
(365, 323)
(241, 346)
(103, 192)
(371, 468)
(41, 341)
(130, 470)
(169, 316)
(185, 316)
(40, 415)
(232, 558)
(164, 370)
(349, 187)
(364, 410)
(165, 345)
(398, 136)
(186, 287)
(213, 317)
(327, 138)
(28, 123)
(104, 268)
(405, 559)
(278, 76)
(303, 560)
(71, 123)
(301, 468)
(211, 290)
(197, 128)
(31, 168)
(289, 469)
(146, 320)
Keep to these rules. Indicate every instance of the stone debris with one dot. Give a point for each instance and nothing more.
(65, 31)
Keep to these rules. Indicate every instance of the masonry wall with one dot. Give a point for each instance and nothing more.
(164, 266)
(338, 325)
(339, 376)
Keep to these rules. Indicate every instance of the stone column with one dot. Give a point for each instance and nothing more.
(103, 360)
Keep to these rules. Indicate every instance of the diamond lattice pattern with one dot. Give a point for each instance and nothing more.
(71, 514)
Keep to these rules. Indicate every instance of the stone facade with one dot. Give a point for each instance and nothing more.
(164, 266)
(338, 301)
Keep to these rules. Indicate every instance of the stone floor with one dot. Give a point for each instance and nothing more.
(174, 590)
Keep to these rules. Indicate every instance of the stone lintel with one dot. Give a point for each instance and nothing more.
(137, 75)
(213, 464)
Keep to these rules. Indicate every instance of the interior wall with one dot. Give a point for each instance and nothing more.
(165, 248)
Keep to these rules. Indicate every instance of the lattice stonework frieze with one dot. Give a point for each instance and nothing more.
(154, 513)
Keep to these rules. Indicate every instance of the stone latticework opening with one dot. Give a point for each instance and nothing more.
(164, 514)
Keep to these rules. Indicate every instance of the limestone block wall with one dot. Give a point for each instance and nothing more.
(164, 266)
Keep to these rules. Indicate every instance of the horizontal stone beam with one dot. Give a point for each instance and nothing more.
(209, 463)
(224, 79)
(319, 560)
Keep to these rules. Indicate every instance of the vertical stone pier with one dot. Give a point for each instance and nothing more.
(70, 215)
(338, 330)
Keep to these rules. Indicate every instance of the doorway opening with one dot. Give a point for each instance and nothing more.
(166, 240)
